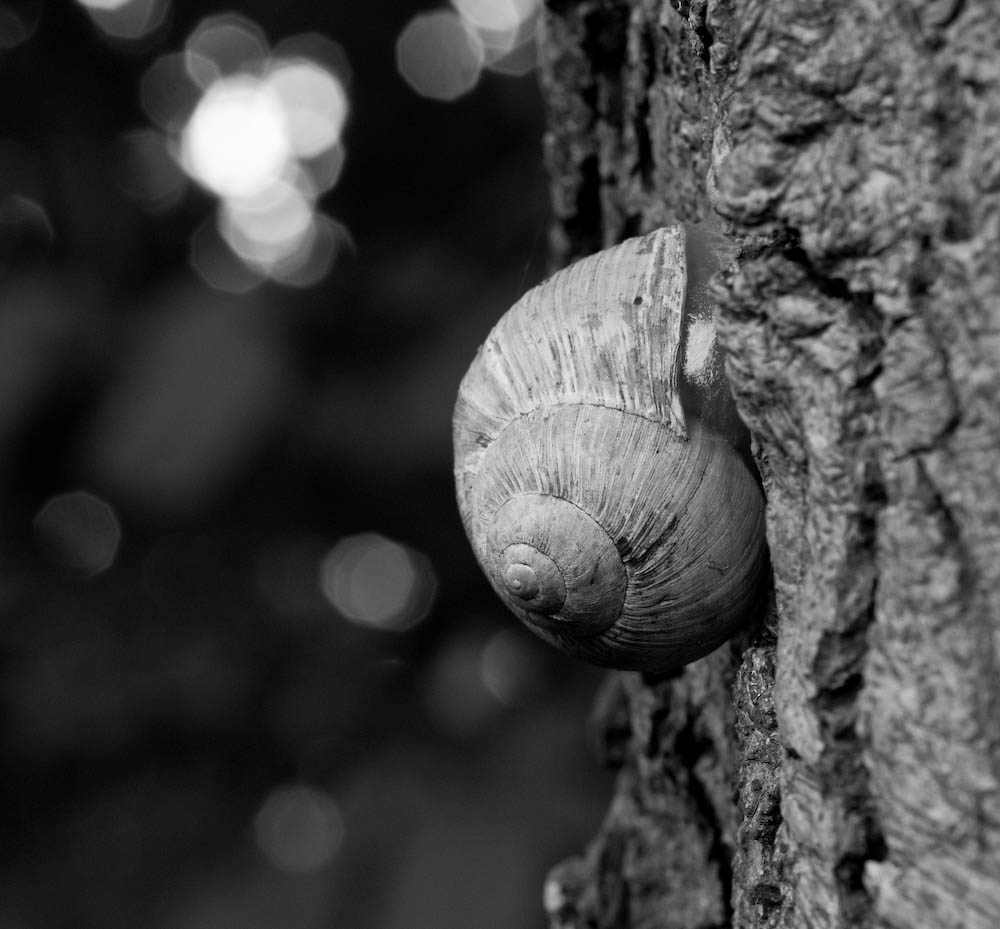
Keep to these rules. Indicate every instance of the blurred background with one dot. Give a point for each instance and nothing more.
(251, 674)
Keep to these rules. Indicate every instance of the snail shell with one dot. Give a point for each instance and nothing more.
(602, 471)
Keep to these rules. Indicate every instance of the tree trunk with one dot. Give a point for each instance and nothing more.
(839, 767)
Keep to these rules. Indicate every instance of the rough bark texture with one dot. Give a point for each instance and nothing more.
(839, 767)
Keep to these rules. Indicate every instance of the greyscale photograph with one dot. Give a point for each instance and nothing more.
(499, 464)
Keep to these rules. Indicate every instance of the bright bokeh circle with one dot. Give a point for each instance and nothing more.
(439, 56)
(314, 102)
(236, 142)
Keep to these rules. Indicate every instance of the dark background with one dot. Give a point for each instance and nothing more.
(153, 709)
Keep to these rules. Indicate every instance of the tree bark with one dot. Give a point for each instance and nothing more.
(839, 766)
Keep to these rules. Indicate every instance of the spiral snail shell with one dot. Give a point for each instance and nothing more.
(602, 471)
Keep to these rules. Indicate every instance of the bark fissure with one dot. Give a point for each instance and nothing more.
(757, 861)
(693, 751)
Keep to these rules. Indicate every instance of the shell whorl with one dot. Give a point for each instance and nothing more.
(615, 524)
(554, 564)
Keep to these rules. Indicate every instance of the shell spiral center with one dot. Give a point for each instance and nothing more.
(555, 565)
(534, 578)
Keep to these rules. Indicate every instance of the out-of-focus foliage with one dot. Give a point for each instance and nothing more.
(251, 674)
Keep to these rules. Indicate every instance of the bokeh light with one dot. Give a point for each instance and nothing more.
(299, 829)
(262, 131)
(214, 257)
(325, 168)
(442, 54)
(218, 265)
(286, 576)
(80, 531)
(281, 235)
(105, 5)
(271, 228)
(327, 239)
(18, 22)
(224, 44)
(146, 170)
(315, 47)
(127, 20)
(512, 668)
(198, 391)
(378, 583)
(25, 228)
(453, 692)
(168, 93)
(236, 143)
(516, 55)
(314, 103)
(507, 29)
(439, 56)
(496, 16)
(196, 736)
